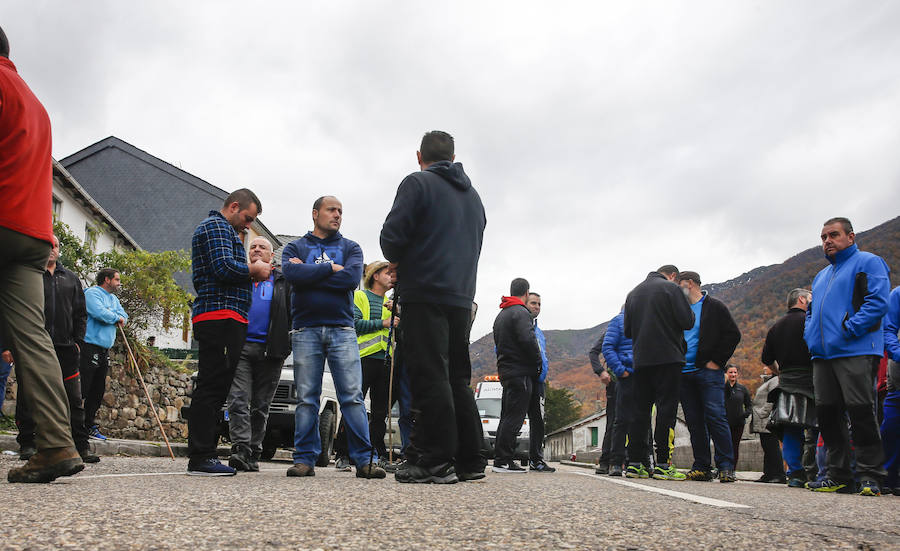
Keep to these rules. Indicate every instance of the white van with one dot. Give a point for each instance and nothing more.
(488, 395)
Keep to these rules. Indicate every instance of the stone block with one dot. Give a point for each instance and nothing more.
(142, 410)
(128, 413)
(109, 399)
(171, 414)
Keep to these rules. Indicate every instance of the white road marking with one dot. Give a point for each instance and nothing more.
(672, 493)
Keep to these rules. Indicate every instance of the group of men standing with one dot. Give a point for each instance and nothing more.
(245, 313)
(670, 345)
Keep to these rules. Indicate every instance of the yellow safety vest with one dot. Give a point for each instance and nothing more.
(370, 343)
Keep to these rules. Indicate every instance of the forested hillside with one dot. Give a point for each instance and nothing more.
(756, 299)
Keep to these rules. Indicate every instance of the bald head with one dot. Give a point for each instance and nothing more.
(261, 249)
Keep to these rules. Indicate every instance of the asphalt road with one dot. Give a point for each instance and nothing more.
(148, 503)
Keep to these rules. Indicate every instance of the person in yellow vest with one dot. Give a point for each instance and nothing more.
(371, 318)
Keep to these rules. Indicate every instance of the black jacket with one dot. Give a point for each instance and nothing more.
(785, 345)
(656, 316)
(434, 232)
(65, 315)
(278, 340)
(738, 405)
(518, 353)
(719, 334)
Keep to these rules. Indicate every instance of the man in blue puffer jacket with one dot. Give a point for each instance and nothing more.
(618, 355)
(536, 405)
(844, 334)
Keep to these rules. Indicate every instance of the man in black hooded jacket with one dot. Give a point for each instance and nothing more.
(432, 238)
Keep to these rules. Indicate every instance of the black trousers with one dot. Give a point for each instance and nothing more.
(220, 344)
(446, 425)
(94, 368)
(653, 384)
(623, 418)
(68, 362)
(377, 381)
(536, 423)
(517, 392)
(611, 411)
(773, 465)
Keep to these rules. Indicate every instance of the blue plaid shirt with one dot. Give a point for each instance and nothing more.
(219, 268)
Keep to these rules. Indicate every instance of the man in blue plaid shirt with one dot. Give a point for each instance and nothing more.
(222, 279)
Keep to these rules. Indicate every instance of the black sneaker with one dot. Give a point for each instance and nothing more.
(88, 457)
(615, 470)
(507, 467)
(444, 473)
(254, 462)
(470, 476)
(602, 468)
(541, 467)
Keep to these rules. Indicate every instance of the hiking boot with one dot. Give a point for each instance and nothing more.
(301, 469)
(370, 471)
(507, 467)
(868, 487)
(387, 465)
(342, 464)
(636, 471)
(48, 465)
(667, 472)
(615, 470)
(95, 434)
(27, 451)
(240, 459)
(541, 467)
(209, 467)
(444, 473)
(88, 457)
(602, 468)
(829, 485)
(727, 475)
(254, 462)
(699, 475)
(796, 483)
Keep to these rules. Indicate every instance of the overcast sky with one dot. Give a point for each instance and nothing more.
(605, 138)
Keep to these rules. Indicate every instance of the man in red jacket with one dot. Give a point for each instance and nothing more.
(26, 180)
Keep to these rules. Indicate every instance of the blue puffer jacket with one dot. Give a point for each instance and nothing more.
(617, 347)
(849, 300)
(542, 343)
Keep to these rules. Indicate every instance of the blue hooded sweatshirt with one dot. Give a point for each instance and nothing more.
(849, 300)
(321, 296)
(542, 343)
(892, 326)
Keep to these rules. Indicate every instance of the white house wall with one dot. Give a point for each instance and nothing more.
(74, 215)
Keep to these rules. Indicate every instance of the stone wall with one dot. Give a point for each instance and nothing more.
(124, 412)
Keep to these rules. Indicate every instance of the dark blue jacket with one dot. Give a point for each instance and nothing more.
(849, 300)
(617, 347)
(322, 296)
(542, 343)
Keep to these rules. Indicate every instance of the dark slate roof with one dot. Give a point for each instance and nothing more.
(157, 204)
(285, 239)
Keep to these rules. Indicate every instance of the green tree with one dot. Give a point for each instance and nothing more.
(149, 290)
(560, 408)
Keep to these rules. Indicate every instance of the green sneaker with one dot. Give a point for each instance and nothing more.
(829, 485)
(668, 472)
(636, 471)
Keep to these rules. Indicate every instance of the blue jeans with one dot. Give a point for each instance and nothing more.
(703, 401)
(312, 347)
(792, 450)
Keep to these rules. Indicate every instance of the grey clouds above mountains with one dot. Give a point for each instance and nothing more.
(605, 138)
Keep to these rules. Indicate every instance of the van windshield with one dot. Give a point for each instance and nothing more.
(488, 407)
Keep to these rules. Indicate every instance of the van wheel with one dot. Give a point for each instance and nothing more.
(326, 433)
(267, 453)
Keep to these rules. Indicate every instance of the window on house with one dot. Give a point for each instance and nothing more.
(90, 235)
(595, 436)
(57, 207)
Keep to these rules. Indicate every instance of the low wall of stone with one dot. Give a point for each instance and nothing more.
(125, 412)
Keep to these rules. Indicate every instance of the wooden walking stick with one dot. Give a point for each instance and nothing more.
(146, 393)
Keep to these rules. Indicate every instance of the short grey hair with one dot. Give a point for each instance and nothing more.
(794, 296)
